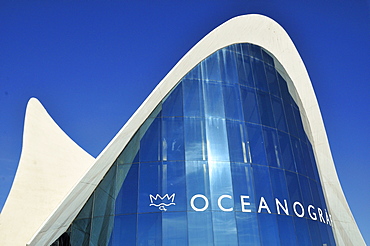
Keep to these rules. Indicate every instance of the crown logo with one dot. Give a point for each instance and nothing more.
(162, 202)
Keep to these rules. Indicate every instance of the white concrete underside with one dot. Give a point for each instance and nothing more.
(255, 29)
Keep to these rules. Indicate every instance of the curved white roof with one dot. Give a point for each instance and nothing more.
(255, 29)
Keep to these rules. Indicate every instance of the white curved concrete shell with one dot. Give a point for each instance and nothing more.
(50, 165)
(255, 29)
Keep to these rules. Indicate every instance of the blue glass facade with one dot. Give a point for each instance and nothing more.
(223, 160)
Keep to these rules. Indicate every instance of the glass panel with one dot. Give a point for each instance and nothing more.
(151, 142)
(267, 58)
(257, 147)
(124, 230)
(263, 190)
(174, 229)
(243, 186)
(172, 103)
(259, 75)
(80, 232)
(302, 232)
(229, 72)
(279, 114)
(101, 230)
(149, 231)
(200, 228)
(232, 100)
(220, 184)
(248, 234)
(224, 228)
(268, 229)
(126, 201)
(172, 139)
(173, 182)
(255, 51)
(217, 148)
(272, 147)
(245, 74)
(195, 139)
(286, 151)
(286, 230)
(272, 81)
(298, 156)
(197, 180)
(279, 188)
(294, 189)
(211, 68)
(290, 119)
(265, 109)
(249, 103)
(213, 100)
(150, 183)
(237, 142)
(193, 98)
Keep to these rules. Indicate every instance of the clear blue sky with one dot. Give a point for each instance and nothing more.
(92, 63)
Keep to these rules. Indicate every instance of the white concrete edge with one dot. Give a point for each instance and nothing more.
(255, 29)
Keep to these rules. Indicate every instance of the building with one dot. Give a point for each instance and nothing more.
(229, 149)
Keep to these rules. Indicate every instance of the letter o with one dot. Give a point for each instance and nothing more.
(295, 211)
(220, 205)
(200, 196)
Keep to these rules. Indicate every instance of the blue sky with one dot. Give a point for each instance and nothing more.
(92, 63)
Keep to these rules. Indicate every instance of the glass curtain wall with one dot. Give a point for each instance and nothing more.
(223, 160)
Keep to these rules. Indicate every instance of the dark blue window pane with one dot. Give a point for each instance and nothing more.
(265, 109)
(298, 156)
(268, 229)
(243, 186)
(294, 189)
(236, 135)
(150, 183)
(232, 100)
(306, 192)
(150, 144)
(256, 144)
(245, 74)
(193, 98)
(173, 139)
(285, 95)
(279, 188)
(263, 189)
(299, 125)
(286, 230)
(302, 232)
(228, 68)
(200, 228)
(267, 58)
(211, 68)
(314, 229)
(259, 75)
(173, 182)
(149, 231)
(174, 229)
(195, 139)
(250, 107)
(213, 100)
(279, 114)
(197, 180)
(272, 147)
(126, 201)
(245, 49)
(124, 230)
(286, 151)
(220, 178)
(272, 81)
(217, 148)
(248, 233)
(172, 104)
(290, 119)
(224, 228)
(255, 51)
